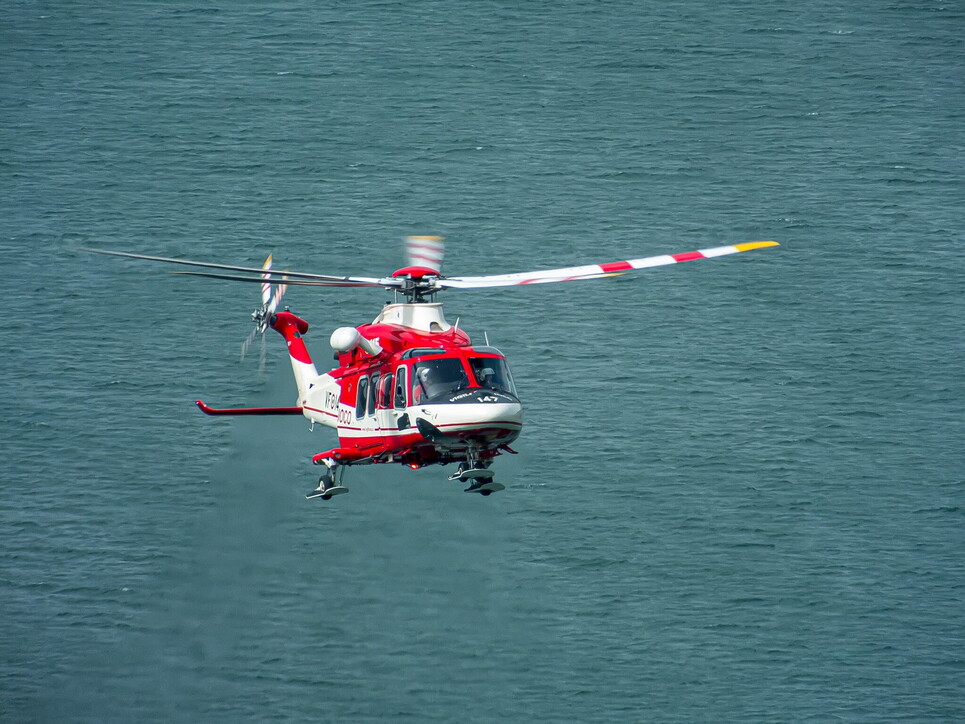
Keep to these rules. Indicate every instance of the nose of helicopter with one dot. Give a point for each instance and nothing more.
(483, 414)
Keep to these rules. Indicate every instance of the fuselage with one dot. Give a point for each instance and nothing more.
(410, 388)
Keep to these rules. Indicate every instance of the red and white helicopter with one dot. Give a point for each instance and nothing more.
(409, 388)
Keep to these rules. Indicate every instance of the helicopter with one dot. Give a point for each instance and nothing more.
(408, 388)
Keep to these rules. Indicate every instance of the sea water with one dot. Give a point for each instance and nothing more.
(739, 488)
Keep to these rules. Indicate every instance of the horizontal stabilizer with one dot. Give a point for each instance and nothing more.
(247, 410)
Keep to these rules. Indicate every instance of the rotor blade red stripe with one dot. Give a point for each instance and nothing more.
(615, 266)
(688, 256)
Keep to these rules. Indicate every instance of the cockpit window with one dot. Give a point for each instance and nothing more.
(493, 373)
(431, 378)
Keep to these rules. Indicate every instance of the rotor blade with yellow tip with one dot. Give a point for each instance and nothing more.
(595, 271)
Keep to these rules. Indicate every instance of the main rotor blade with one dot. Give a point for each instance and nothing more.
(281, 279)
(425, 251)
(593, 271)
(209, 265)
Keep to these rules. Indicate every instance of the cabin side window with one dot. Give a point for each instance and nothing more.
(361, 397)
(373, 389)
(384, 392)
(399, 399)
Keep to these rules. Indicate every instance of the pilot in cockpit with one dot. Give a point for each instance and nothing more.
(436, 377)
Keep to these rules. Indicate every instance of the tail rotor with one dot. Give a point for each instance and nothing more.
(271, 295)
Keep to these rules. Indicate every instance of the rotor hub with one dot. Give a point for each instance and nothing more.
(418, 283)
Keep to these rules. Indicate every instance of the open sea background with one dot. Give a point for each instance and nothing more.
(739, 493)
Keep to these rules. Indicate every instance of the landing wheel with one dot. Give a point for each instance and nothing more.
(329, 484)
(485, 493)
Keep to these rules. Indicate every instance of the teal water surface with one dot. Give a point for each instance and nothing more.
(739, 493)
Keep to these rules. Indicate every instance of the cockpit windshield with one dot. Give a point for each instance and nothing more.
(434, 377)
(493, 373)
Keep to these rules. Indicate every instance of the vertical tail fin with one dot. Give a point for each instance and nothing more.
(292, 328)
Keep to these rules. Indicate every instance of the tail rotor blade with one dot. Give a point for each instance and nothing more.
(262, 315)
(262, 356)
(246, 345)
(266, 285)
(277, 296)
